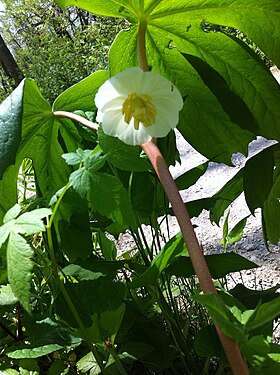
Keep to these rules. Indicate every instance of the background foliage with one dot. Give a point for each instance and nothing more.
(42, 36)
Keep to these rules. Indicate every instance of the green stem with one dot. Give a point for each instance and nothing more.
(69, 301)
(141, 45)
(176, 332)
(54, 211)
(117, 361)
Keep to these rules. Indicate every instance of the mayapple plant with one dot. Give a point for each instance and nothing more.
(166, 70)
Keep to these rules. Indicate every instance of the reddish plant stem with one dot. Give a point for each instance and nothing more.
(232, 351)
(89, 124)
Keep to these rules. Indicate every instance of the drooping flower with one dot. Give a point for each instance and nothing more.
(136, 106)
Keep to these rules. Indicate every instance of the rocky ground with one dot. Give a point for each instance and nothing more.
(252, 245)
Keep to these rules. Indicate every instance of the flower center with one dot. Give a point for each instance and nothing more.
(141, 108)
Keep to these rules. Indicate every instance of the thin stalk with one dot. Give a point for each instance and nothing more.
(139, 245)
(144, 239)
(89, 124)
(54, 211)
(8, 331)
(118, 362)
(69, 301)
(176, 332)
(196, 255)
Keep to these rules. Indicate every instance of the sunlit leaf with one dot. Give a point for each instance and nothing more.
(81, 95)
(31, 222)
(10, 128)
(19, 268)
(107, 8)
(12, 213)
(7, 297)
(174, 248)
(219, 265)
(264, 313)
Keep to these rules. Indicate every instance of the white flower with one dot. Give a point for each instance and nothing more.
(136, 106)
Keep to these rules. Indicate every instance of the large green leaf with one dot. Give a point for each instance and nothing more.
(219, 265)
(207, 343)
(10, 128)
(264, 313)
(271, 213)
(258, 178)
(40, 140)
(250, 16)
(93, 269)
(44, 337)
(174, 248)
(122, 156)
(8, 189)
(19, 267)
(41, 137)
(91, 298)
(221, 315)
(19, 252)
(115, 8)
(231, 95)
(107, 324)
(72, 226)
(226, 195)
(125, 40)
(106, 195)
(81, 95)
(252, 297)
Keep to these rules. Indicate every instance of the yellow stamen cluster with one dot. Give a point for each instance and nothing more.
(141, 108)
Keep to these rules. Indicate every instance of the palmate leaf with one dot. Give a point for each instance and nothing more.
(231, 95)
(250, 16)
(40, 140)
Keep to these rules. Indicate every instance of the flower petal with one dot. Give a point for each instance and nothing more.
(163, 95)
(105, 94)
(113, 123)
(160, 129)
(167, 109)
(134, 137)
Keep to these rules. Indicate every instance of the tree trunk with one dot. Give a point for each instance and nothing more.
(9, 64)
